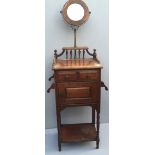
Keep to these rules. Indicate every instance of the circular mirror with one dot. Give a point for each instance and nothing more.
(75, 12)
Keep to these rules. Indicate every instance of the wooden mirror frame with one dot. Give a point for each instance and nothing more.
(72, 22)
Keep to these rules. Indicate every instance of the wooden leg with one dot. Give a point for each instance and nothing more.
(98, 127)
(93, 115)
(59, 144)
(58, 127)
(97, 144)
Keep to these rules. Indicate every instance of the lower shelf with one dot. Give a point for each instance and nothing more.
(78, 132)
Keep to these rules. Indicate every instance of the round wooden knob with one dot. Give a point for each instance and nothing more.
(66, 77)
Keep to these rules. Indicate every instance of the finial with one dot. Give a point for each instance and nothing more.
(94, 54)
(55, 53)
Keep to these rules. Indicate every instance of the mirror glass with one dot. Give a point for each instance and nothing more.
(75, 12)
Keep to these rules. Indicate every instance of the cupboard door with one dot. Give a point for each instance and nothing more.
(78, 93)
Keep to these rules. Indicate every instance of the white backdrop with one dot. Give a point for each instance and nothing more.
(94, 34)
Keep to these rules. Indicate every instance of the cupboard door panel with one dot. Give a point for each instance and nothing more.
(78, 93)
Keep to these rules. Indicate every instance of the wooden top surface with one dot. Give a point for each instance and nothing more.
(76, 64)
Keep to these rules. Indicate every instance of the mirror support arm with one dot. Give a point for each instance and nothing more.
(74, 37)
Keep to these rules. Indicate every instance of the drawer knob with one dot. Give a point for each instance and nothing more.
(88, 77)
(66, 77)
(78, 74)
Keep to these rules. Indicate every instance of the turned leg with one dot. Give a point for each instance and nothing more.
(59, 144)
(93, 115)
(98, 127)
(58, 127)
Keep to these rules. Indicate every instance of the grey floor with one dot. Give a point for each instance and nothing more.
(86, 148)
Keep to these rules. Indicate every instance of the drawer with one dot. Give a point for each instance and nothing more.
(92, 75)
(77, 75)
(78, 93)
(61, 76)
